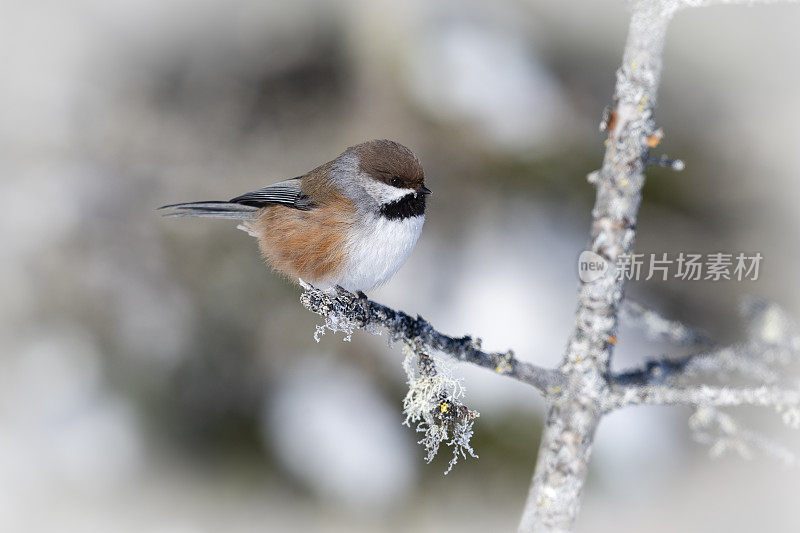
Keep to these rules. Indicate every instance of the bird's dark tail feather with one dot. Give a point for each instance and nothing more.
(211, 210)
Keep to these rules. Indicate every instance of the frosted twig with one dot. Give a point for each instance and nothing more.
(564, 454)
(721, 433)
(748, 360)
(562, 464)
(666, 161)
(625, 395)
(657, 327)
(772, 343)
(363, 313)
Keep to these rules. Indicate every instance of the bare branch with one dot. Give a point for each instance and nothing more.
(748, 360)
(561, 467)
(562, 464)
(625, 395)
(772, 343)
(347, 309)
(722, 433)
(657, 327)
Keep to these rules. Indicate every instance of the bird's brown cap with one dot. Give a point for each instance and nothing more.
(390, 162)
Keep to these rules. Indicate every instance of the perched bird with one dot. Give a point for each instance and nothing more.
(351, 222)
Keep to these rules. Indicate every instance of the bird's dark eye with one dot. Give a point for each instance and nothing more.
(395, 181)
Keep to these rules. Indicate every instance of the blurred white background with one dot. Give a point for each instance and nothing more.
(155, 377)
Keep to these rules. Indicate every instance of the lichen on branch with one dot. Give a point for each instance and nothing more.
(433, 405)
(345, 312)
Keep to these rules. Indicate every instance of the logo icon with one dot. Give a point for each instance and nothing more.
(591, 266)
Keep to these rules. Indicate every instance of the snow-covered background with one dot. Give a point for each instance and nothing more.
(155, 377)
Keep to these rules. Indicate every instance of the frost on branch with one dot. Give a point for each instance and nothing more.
(722, 434)
(771, 344)
(753, 372)
(657, 327)
(344, 311)
(340, 312)
(433, 404)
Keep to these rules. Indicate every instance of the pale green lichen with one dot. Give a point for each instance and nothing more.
(433, 405)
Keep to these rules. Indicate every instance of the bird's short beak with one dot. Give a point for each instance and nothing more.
(424, 190)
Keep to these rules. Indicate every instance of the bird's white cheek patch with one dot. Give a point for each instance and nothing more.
(384, 193)
(377, 250)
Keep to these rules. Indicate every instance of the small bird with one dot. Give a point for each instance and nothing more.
(351, 222)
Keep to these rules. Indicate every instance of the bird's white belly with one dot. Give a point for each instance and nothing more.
(376, 250)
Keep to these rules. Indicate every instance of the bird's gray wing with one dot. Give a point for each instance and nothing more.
(245, 207)
(286, 192)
